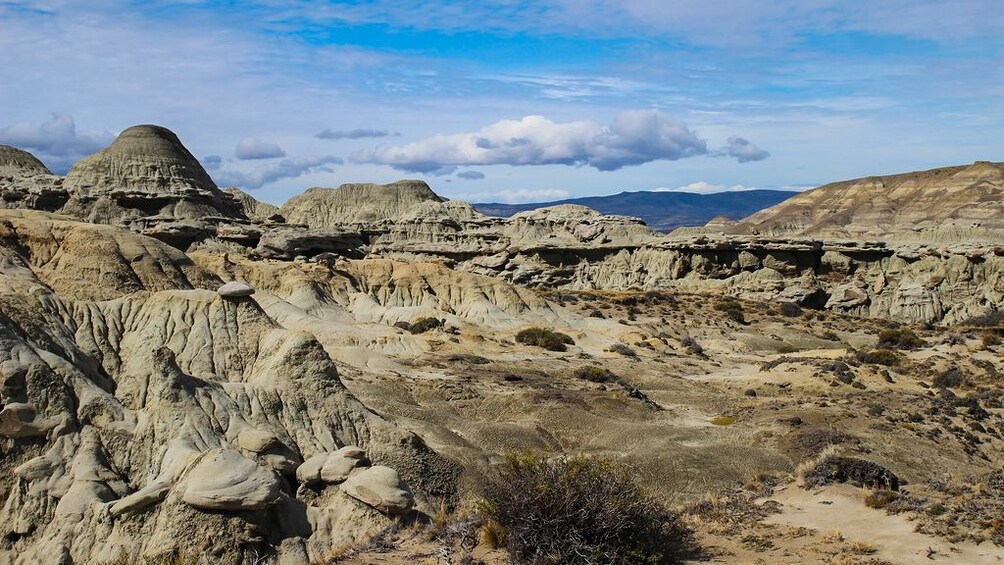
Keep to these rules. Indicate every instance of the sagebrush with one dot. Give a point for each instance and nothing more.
(579, 510)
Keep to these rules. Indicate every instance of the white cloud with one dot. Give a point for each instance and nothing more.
(742, 150)
(284, 169)
(635, 137)
(56, 142)
(251, 148)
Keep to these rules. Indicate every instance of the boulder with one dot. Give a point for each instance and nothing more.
(235, 289)
(381, 488)
(226, 480)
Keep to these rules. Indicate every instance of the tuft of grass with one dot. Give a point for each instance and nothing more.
(880, 498)
(724, 420)
(545, 338)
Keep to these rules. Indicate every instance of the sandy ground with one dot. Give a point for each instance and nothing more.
(840, 509)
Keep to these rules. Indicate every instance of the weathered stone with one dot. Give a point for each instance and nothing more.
(235, 289)
(226, 480)
(381, 488)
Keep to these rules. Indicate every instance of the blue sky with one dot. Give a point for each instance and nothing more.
(510, 100)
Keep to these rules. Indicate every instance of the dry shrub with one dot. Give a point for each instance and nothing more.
(830, 468)
(900, 338)
(548, 339)
(885, 357)
(423, 325)
(580, 510)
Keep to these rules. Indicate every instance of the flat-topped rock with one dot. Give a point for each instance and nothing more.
(235, 289)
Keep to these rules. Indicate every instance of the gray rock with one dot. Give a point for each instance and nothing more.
(226, 480)
(235, 289)
(381, 488)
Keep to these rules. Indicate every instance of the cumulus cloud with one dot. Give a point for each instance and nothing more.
(742, 150)
(471, 175)
(352, 133)
(212, 162)
(635, 137)
(251, 148)
(284, 169)
(56, 142)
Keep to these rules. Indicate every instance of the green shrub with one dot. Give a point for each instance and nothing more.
(423, 325)
(885, 357)
(578, 510)
(595, 374)
(900, 338)
(548, 339)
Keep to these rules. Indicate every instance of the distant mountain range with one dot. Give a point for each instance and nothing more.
(663, 211)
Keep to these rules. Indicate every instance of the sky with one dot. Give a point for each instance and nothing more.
(511, 100)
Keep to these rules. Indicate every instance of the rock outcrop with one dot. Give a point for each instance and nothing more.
(27, 183)
(361, 203)
(136, 398)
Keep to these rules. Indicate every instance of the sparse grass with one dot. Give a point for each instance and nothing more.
(732, 309)
(756, 542)
(724, 420)
(547, 339)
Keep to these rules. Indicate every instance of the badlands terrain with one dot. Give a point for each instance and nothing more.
(189, 374)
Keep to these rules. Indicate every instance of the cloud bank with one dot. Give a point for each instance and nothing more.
(635, 137)
(251, 148)
(56, 142)
(284, 169)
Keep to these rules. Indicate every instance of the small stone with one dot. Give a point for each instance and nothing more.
(235, 289)
(750, 392)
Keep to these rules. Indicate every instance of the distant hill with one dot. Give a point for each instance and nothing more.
(663, 211)
(947, 205)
